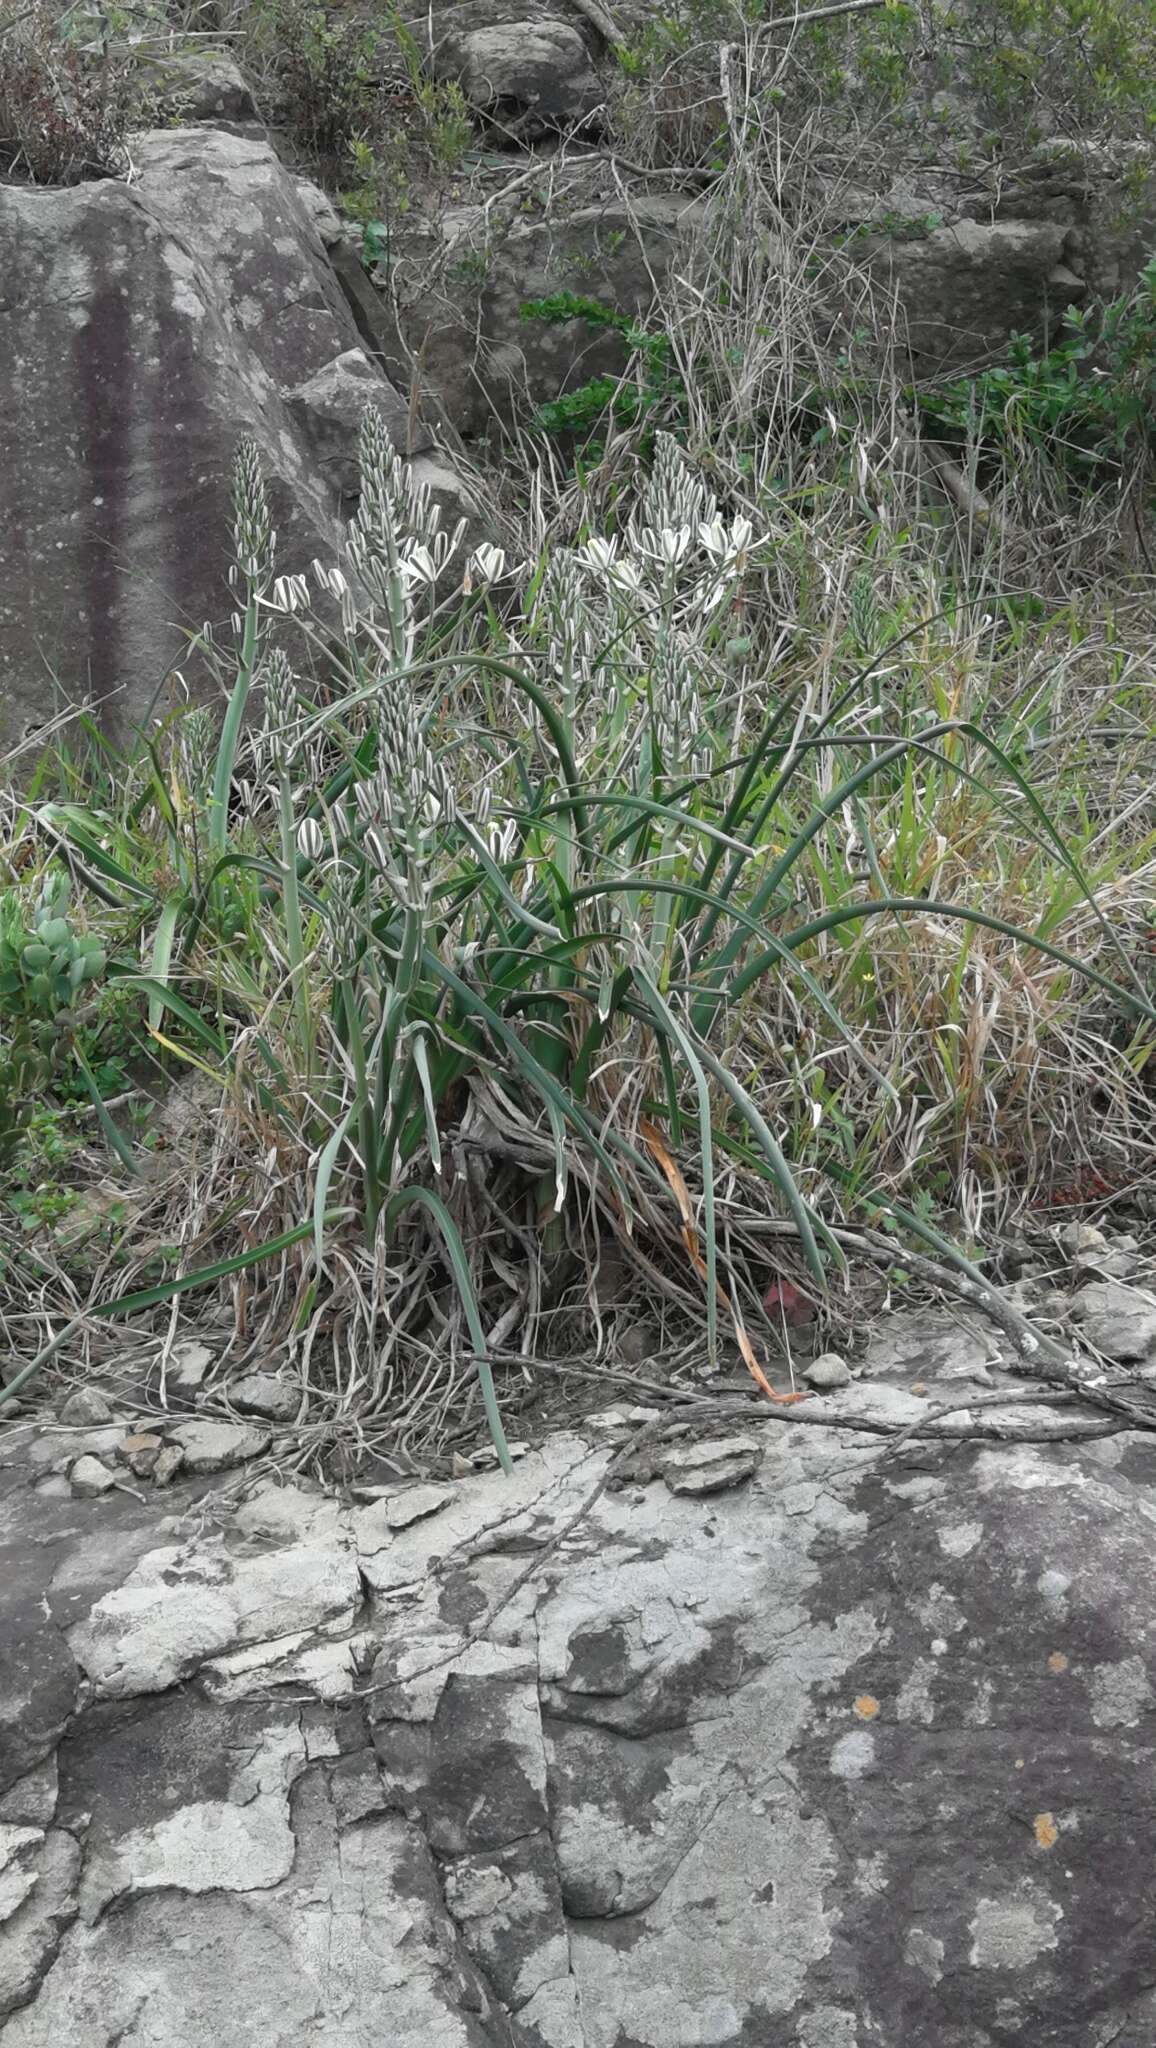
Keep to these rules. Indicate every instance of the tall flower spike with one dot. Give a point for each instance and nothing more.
(563, 609)
(281, 713)
(198, 745)
(675, 495)
(410, 795)
(864, 614)
(341, 929)
(677, 712)
(393, 507)
(254, 540)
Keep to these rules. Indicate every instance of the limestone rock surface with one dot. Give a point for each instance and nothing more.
(848, 1751)
(145, 327)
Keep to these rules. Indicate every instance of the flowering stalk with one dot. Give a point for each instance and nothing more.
(280, 716)
(254, 546)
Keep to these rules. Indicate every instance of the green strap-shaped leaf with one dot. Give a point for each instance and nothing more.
(408, 1198)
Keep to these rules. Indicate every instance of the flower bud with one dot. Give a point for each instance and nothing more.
(310, 839)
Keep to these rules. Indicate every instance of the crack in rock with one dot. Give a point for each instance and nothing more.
(816, 1762)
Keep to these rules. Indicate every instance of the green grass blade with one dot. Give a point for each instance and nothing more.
(325, 1166)
(433, 1137)
(667, 1023)
(115, 1138)
(169, 999)
(805, 1220)
(160, 957)
(231, 733)
(408, 1198)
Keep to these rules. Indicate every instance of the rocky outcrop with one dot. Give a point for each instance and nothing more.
(782, 1741)
(529, 75)
(970, 261)
(148, 323)
(459, 289)
(146, 327)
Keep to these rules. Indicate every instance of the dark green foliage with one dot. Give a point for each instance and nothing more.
(45, 966)
(1084, 405)
(327, 67)
(655, 397)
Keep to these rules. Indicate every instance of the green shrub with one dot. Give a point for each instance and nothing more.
(650, 395)
(1085, 406)
(47, 968)
(66, 103)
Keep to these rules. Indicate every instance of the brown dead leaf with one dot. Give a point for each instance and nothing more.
(664, 1157)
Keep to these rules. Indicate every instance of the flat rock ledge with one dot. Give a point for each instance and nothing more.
(840, 1747)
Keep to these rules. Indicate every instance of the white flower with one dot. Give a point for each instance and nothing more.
(487, 564)
(310, 839)
(419, 563)
(673, 544)
(423, 561)
(598, 554)
(330, 580)
(628, 575)
(290, 594)
(728, 544)
(502, 840)
(377, 847)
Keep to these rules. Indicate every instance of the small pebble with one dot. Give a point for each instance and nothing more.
(712, 1467)
(828, 1371)
(89, 1478)
(140, 1453)
(263, 1394)
(414, 1503)
(1083, 1237)
(216, 1446)
(187, 1366)
(168, 1464)
(85, 1409)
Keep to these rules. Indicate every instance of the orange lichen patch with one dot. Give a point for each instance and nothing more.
(866, 1706)
(1046, 1832)
(1057, 1661)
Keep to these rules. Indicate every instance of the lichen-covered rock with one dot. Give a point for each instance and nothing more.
(330, 407)
(266, 1395)
(91, 1477)
(860, 1752)
(462, 287)
(539, 70)
(965, 287)
(1119, 1321)
(180, 1606)
(85, 1409)
(215, 1446)
(712, 1466)
(145, 328)
(201, 86)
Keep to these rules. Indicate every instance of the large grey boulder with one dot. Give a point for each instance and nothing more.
(856, 1751)
(522, 70)
(461, 287)
(964, 289)
(201, 85)
(145, 328)
(971, 259)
